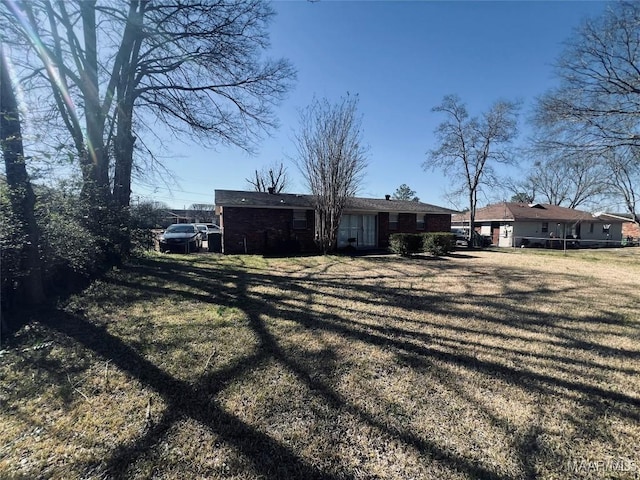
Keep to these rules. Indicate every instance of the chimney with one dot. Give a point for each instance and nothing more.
(387, 197)
(272, 190)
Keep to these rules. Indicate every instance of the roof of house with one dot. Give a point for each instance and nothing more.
(188, 213)
(512, 211)
(624, 217)
(238, 198)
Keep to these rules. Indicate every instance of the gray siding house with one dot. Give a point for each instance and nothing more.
(512, 224)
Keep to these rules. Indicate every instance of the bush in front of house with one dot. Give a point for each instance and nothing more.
(405, 244)
(435, 243)
(438, 243)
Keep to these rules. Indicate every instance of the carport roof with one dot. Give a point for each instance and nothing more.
(239, 198)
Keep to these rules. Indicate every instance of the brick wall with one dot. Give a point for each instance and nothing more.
(270, 230)
(438, 223)
(383, 229)
(630, 229)
(433, 223)
(406, 223)
(264, 231)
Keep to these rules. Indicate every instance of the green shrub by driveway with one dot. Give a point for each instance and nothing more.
(438, 243)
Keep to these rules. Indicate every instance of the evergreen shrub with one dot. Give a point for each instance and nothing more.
(438, 243)
(405, 244)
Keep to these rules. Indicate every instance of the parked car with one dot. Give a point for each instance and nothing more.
(203, 229)
(181, 237)
(461, 236)
(482, 241)
(213, 228)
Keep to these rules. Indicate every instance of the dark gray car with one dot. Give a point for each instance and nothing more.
(180, 237)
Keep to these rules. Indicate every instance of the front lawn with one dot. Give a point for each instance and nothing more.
(510, 364)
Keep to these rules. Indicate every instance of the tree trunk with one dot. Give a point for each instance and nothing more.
(472, 217)
(96, 191)
(128, 54)
(124, 143)
(21, 193)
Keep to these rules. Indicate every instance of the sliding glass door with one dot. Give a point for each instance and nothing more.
(358, 231)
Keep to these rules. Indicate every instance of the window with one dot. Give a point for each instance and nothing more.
(545, 227)
(605, 228)
(591, 228)
(299, 219)
(419, 221)
(393, 221)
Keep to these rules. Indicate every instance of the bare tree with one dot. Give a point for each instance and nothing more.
(517, 188)
(68, 64)
(598, 99)
(200, 70)
(332, 160)
(522, 197)
(197, 67)
(203, 212)
(273, 178)
(404, 192)
(469, 146)
(595, 110)
(624, 182)
(21, 195)
(204, 207)
(569, 180)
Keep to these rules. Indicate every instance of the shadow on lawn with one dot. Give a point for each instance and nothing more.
(275, 460)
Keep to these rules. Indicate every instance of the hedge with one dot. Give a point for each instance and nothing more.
(435, 243)
(405, 244)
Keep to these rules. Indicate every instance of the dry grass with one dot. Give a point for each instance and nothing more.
(498, 365)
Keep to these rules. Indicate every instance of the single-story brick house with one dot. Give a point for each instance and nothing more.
(512, 224)
(258, 222)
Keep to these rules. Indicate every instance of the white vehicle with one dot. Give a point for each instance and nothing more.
(203, 229)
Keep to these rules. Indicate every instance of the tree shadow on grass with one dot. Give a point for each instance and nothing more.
(269, 457)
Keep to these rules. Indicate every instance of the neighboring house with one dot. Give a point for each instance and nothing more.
(257, 222)
(513, 224)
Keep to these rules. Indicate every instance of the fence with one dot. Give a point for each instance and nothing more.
(571, 242)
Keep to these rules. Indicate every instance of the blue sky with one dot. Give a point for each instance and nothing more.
(401, 58)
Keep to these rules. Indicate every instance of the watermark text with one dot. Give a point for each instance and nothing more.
(586, 466)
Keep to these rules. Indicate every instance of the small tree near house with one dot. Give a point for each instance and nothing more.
(332, 160)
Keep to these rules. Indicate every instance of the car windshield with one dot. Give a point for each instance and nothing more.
(180, 229)
(202, 228)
